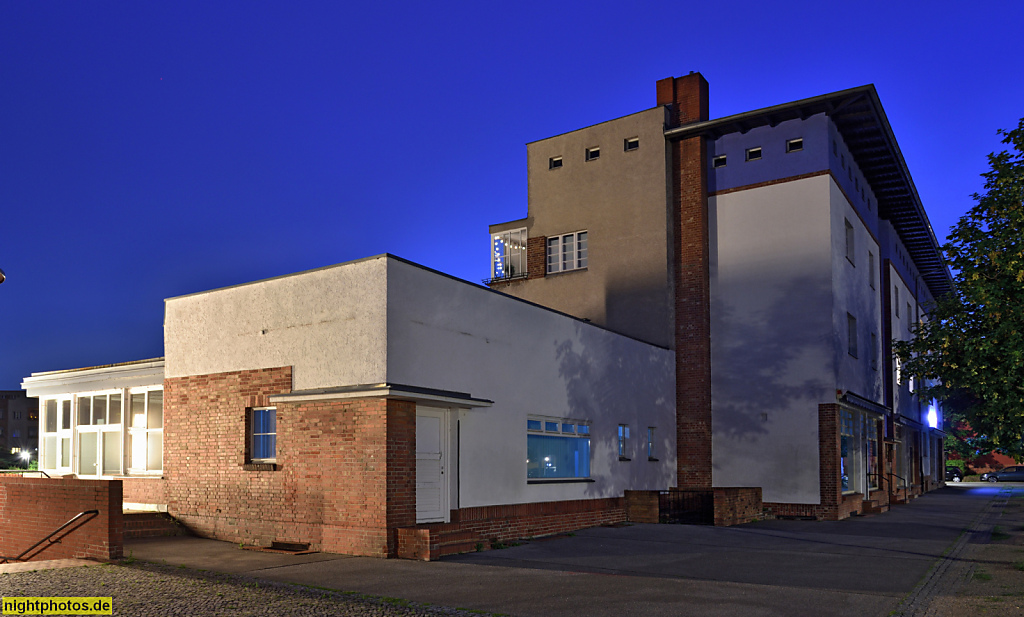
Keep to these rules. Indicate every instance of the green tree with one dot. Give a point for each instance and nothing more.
(970, 350)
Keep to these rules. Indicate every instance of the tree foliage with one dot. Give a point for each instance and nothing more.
(970, 350)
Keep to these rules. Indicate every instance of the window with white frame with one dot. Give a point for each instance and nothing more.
(146, 431)
(99, 434)
(57, 435)
(624, 442)
(557, 448)
(508, 253)
(567, 252)
(263, 435)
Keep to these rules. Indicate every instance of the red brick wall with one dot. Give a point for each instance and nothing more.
(737, 505)
(144, 490)
(31, 508)
(833, 504)
(642, 506)
(687, 100)
(536, 256)
(345, 469)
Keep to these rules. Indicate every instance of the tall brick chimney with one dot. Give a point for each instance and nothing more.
(687, 101)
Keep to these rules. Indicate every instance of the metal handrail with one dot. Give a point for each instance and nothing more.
(905, 485)
(50, 536)
(25, 471)
(882, 477)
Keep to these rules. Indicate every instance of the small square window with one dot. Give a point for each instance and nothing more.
(593, 154)
(795, 145)
(633, 143)
(718, 161)
(753, 154)
(555, 162)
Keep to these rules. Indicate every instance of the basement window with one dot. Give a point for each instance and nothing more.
(795, 145)
(593, 154)
(718, 161)
(754, 154)
(555, 162)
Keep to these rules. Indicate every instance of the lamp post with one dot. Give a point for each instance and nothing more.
(3, 277)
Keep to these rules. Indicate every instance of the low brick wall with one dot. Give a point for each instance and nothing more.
(144, 490)
(642, 506)
(31, 508)
(737, 505)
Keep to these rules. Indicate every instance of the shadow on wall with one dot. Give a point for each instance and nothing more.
(606, 375)
(771, 360)
(639, 307)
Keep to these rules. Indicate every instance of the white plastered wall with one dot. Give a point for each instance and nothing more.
(328, 324)
(444, 333)
(771, 336)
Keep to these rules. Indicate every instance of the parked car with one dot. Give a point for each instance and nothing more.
(1006, 474)
(953, 474)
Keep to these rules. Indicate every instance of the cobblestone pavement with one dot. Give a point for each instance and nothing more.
(154, 589)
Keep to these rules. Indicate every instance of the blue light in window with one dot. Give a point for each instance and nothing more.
(551, 426)
(567, 428)
(933, 416)
(533, 425)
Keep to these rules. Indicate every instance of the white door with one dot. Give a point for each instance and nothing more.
(431, 465)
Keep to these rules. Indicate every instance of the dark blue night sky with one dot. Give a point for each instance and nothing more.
(149, 150)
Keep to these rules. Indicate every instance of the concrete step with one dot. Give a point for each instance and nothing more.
(151, 525)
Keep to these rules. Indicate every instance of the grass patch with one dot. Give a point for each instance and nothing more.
(1018, 565)
(998, 533)
(981, 575)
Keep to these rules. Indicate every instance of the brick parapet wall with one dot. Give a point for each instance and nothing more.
(506, 523)
(737, 505)
(31, 508)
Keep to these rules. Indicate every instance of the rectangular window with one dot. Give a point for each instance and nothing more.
(874, 351)
(633, 143)
(57, 435)
(593, 154)
(624, 442)
(795, 145)
(753, 154)
(896, 299)
(555, 162)
(651, 451)
(910, 314)
(567, 252)
(835, 148)
(850, 241)
(99, 434)
(851, 334)
(871, 269)
(718, 161)
(508, 254)
(847, 453)
(557, 448)
(146, 431)
(874, 471)
(263, 444)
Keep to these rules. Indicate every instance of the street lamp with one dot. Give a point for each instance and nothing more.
(3, 277)
(25, 455)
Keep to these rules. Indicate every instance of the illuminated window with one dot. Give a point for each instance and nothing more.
(146, 431)
(99, 434)
(557, 448)
(508, 254)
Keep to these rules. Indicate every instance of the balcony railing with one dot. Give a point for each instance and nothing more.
(516, 276)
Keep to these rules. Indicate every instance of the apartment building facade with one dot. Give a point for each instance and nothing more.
(19, 419)
(778, 252)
